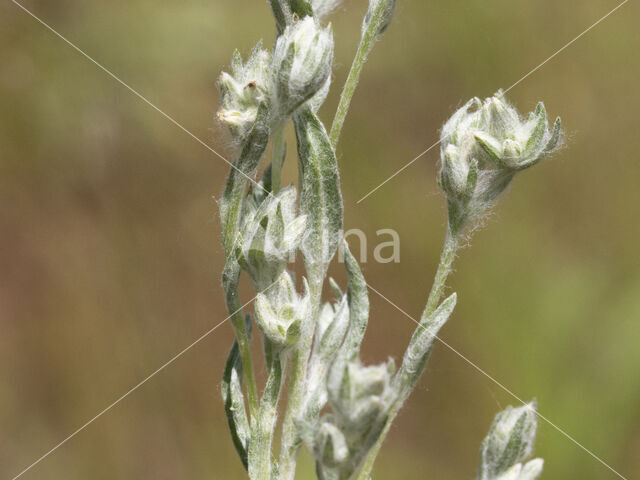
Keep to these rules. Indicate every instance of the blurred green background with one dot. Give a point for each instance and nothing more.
(109, 239)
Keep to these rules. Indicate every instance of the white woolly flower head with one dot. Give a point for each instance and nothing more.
(483, 145)
(280, 312)
(269, 235)
(242, 92)
(302, 63)
(359, 396)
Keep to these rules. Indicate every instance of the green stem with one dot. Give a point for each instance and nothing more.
(244, 169)
(367, 41)
(451, 243)
(449, 248)
(262, 428)
(230, 278)
(277, 158)
(298, 383)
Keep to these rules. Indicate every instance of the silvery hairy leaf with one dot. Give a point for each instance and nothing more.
(358, 299)
(321, 199)
(419, 349)
(233, 400)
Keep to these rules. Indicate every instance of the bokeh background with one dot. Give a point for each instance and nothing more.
(109, 239)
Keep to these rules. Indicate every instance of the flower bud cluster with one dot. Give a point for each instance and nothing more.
(510, 442)
(298, 71)
(302, 61)
(242, 92)
(270, 235)
(360, 397)
(280, 311)
(483, 146)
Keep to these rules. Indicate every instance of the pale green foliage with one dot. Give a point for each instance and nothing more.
(339, 407)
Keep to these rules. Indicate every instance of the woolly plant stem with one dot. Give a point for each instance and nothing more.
(449, 248)
(277, 159)
(298, 382)
(263, 426)
(230, 279)
(367, 41)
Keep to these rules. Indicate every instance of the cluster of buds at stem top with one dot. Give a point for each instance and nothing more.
(299, 71)
(483, 146)
(242, 92)
(280, 311)
(270, 235)
(510, 442)
(359, 396)
(302, 61)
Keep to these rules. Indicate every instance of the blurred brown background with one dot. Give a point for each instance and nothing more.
(109, 239)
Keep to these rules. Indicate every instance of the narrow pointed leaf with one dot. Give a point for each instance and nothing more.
(321, 199)
(234, 406)
(539, 130)
(419, 349)
(555, 136)
(358, 299)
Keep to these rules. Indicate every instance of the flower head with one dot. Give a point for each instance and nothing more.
(483, 145)
(270, 235)
(280, 311)
(243, 91)
(302, 63)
